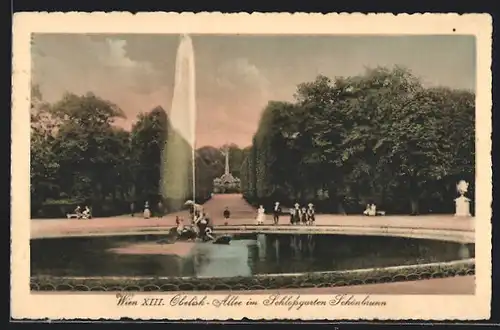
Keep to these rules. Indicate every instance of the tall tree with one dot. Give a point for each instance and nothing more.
(378, 137)
(86, 145)
(44, 162)
(148, 138)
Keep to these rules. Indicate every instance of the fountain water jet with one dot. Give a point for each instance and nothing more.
(176, 162)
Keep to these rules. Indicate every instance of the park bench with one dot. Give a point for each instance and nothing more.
(372, 213)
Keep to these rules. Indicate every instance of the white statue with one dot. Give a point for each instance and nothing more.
(462, 203)
(462, 187)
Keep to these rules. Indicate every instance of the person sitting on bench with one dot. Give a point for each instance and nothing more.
(86, 213)
(77, 213)
(371, 210)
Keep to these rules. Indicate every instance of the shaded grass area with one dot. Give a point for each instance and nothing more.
(258, 282)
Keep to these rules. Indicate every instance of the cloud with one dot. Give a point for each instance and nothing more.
(240, 73)
(235, 75)
(231, 103)
(83, 63)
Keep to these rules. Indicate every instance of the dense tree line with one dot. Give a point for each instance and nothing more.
(78, 156)
(380, 137)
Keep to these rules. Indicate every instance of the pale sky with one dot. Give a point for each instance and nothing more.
(235, 75)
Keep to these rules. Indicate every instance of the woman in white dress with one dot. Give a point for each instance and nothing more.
(261, 216)
(147, 212)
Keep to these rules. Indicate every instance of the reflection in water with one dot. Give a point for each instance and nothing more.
(261, 246)
(277, 249)
(216, 260)
(310, 245)
(252, 254)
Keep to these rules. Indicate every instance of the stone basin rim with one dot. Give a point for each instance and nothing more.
(465, 262)
(457, 236)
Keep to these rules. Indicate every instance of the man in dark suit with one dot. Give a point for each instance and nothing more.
(276, 212)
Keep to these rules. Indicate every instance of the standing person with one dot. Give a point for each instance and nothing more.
(160, 209)
(276, 212)
(303, 215)
(292, 215)
(147, 212)
(261, 215)
(132, 209)
(226, 214)
(297, 214)
(310, 214)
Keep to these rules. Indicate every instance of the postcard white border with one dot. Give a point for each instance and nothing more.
(25, 305)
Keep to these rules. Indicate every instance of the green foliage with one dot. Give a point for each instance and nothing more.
(78, 155)
(379, 137)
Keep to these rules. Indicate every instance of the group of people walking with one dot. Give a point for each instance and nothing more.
(302, 215)
(298, 215)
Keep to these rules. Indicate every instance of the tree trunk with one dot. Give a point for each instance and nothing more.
(414, 205)
(340, 208)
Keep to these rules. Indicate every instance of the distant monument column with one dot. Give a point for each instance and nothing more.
(226, 182)
(462, 203)
(226, 154)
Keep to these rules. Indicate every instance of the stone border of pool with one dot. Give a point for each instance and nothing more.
(451, 234)
(257, 282)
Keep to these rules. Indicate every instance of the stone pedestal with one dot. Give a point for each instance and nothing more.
(462, 207)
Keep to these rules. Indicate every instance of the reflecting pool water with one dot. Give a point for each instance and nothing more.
(244, 256)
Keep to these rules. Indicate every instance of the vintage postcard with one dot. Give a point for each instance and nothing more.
(262, 166)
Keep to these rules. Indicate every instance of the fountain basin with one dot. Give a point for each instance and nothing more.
(250, 262)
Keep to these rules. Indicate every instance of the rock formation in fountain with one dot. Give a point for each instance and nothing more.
(177, 173)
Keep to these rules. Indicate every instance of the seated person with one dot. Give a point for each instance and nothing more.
(208, 234)
(180, 224)
(86, 213)
(77, 213)
(367, 209)
(202, 223)
(371, 210)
